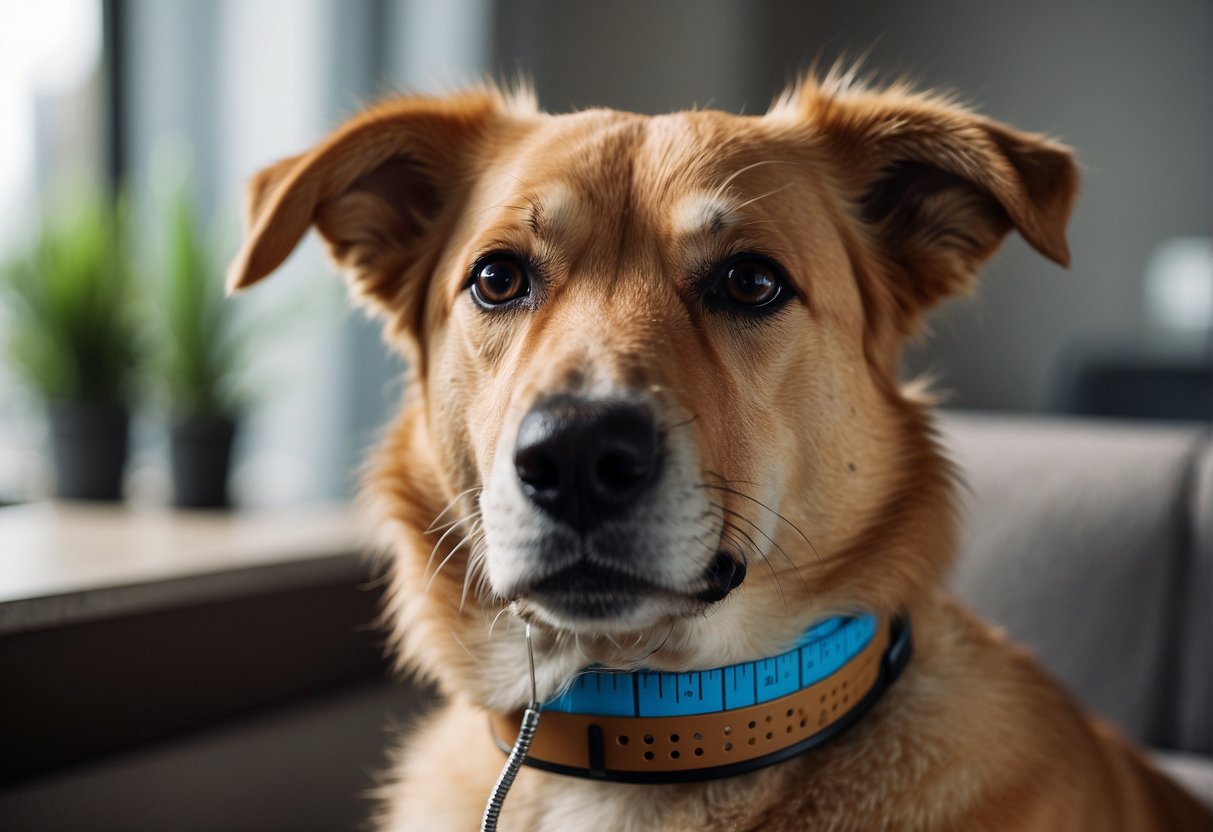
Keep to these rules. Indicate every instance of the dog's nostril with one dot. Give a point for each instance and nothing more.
(537, 470)
(622, 471)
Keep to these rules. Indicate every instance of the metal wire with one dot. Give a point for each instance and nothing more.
(526, 733)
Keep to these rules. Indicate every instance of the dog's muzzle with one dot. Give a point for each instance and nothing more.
(615, 507)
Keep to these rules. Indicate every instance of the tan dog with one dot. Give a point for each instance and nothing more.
(646, 353)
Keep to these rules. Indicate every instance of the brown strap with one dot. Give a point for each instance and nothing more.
(633, 744)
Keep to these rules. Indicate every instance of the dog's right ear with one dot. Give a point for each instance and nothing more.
(935, 188)
(379, 190)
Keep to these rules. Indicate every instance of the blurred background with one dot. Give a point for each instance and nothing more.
(97, 94)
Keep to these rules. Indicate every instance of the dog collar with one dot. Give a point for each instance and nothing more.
(652, 727)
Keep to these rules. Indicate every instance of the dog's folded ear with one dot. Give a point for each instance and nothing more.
(378, 189)
(939, 186)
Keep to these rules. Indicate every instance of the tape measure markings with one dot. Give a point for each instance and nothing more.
(739, 690)
(819, 653)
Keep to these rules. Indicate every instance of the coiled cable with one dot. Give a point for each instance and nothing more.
(526, 733)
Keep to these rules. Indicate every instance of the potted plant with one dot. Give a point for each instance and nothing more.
(73, 339)
(200, 358)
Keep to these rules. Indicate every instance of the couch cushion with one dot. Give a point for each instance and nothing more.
(1077, 536)
(1192, 771)
(1195, 709)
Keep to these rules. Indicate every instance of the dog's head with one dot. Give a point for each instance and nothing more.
(652, 403)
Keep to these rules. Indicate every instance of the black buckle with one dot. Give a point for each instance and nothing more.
(900, 649)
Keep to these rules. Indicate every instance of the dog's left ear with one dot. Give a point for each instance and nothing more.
(939, 187)
(380, 190)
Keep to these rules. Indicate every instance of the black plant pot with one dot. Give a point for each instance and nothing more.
(89, 446)
(201, 451)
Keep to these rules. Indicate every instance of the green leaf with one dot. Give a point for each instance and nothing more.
(200, 335)
(71, 294)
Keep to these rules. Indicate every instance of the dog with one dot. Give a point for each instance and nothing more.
(653, 414)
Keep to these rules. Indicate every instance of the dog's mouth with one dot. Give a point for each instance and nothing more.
(593, 591)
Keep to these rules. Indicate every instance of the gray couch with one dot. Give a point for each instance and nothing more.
(1092, 543)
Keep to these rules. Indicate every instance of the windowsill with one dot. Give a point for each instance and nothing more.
(66, 563)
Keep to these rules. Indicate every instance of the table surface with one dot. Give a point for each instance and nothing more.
(64, 563)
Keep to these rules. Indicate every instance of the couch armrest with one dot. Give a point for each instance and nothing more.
(1080, 538)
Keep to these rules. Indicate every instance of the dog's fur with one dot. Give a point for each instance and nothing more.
(777, 431)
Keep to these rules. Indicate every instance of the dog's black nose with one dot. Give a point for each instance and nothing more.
(583, 461)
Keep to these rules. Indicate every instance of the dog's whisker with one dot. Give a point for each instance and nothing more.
(493, 624)
(706, 544)
(467, 580)
(709, 529)
(711, 526)
(683, 423)
(466, 649)
(432, 527)
(484, 588)
(438, 543)
(729, 490)
(749, 223)
(765, 507)
(740, 531)
(728, 481)
(719, 191)
(474, 565)
(662, 643)
(378, 582)
(727, 534)
(447, 525)
(754, 199)
(766, 561)
(449, 556)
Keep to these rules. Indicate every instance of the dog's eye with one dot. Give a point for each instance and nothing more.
(749, 282)
(499, 279)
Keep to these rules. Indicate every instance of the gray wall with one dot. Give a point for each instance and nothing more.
(1126, 84)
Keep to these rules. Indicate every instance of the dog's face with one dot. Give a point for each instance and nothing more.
(627, 336)
(653, 405)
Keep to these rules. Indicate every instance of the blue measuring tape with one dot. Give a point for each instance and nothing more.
(820, 651)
